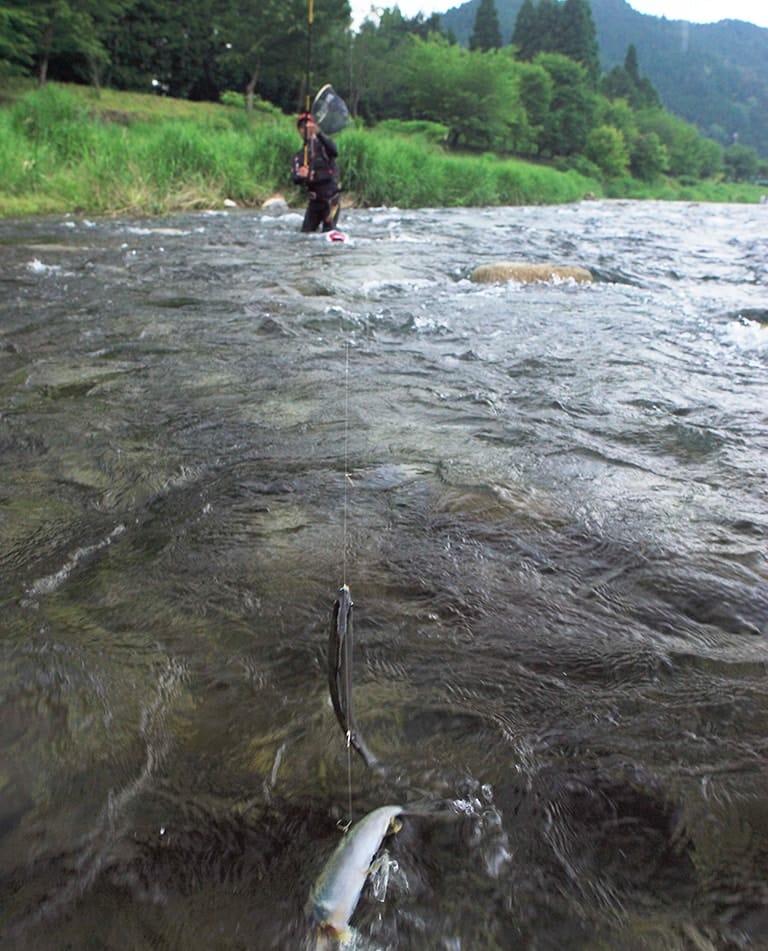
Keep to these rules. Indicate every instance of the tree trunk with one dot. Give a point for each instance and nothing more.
(95, 70)
(250, 90)
(45, 50)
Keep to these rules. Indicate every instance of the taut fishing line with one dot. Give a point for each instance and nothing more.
(341, 637)
(348, 638)
(347, 476)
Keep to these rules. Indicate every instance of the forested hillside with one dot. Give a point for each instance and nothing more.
(714, 75)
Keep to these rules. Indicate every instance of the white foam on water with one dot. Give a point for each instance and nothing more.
(50, 583)
(37, 267)
(747, 334)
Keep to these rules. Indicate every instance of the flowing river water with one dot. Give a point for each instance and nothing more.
(550, 504)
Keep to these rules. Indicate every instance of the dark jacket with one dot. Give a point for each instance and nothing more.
(323, 174)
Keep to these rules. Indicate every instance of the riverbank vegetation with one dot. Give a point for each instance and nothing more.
(70, 149)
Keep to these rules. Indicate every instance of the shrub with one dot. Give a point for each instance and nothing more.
(649, 157)
(608, 150)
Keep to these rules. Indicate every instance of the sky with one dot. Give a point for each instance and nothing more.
(697, 11)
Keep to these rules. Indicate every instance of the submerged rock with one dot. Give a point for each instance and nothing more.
(524, 272)
(275, 205)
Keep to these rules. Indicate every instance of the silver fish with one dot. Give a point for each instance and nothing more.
(340, 673)
(335, 894)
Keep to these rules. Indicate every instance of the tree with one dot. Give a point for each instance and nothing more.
(689, 153)
(617, 84)
(258, 40)
(538, 29)
(174, 46)
(70, 32)
(619, 114)
(378, 88)
(549, 25)
(578, 36)
(17, 47)
(487, 32)
(631, 64)
(627, 83)
(330, 44)
(741, 163)
(553, 27)
(525, 37)
(376, 80)
(140, 47)
(649, 157)
(473, 93)
(361, 53)
(710, 157)
(573, 106)
(535, 88)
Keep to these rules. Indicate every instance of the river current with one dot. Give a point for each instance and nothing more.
(550, 503)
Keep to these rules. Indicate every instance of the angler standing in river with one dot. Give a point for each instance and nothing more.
(314, 167)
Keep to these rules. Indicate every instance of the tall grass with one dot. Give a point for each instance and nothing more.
(391, 169)
(56, 155)
(62, 150)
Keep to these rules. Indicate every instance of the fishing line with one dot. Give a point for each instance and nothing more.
(341, 634)
(348, 638)
(347, 477)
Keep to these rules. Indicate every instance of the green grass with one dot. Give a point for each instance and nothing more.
(153, 155)
(69, 149)
(670, 189)
(384, 169)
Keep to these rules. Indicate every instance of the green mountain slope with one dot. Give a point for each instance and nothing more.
(714, 75)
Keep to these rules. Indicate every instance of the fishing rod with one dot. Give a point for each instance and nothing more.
(310, 21)
(328, 109)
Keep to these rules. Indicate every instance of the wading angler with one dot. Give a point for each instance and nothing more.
(314, 167)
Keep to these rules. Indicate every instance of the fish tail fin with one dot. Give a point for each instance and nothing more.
(327, 937)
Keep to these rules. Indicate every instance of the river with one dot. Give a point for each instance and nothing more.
(549, 501)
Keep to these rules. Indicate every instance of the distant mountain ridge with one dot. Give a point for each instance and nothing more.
(715, 75)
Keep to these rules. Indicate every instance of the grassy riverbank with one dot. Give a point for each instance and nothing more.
(67, 149)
